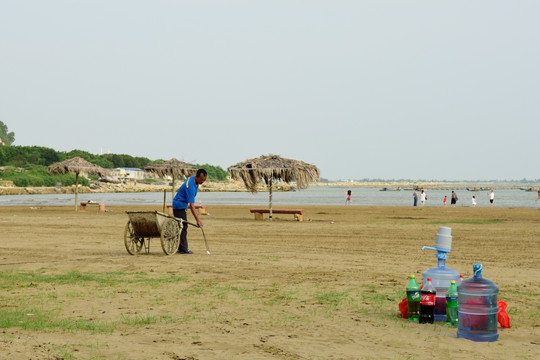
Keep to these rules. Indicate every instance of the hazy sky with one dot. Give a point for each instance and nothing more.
(362, 89)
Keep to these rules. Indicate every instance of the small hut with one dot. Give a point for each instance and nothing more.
(78, 166)
(273, 167)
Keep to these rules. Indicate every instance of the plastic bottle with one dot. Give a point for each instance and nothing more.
(413, 299)
(440, 274)
(460, 280)
(451, 304)
(477, 308)
(427, 303)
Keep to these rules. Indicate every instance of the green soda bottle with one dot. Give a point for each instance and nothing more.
(413, 299)
(451, 304)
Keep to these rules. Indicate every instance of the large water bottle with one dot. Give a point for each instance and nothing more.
(441, 275)
(477, 308)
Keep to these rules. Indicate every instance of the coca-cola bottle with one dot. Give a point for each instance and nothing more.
(413, 299)
(427, 303)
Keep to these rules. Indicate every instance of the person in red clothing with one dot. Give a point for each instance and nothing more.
(348, 201)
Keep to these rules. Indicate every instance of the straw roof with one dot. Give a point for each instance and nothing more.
(268, 167)
(174, 168)
(77, 165)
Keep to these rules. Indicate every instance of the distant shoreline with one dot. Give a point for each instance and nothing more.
(235, 186)
(432, 185)
(132, 187)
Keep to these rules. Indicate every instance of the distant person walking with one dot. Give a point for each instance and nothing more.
(348, 200)
(415, 197)
(473, 201)
(445, 200)
(423, 198)
(454, 199)
(491, 197)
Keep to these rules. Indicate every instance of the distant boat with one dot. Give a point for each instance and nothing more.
(390, 189)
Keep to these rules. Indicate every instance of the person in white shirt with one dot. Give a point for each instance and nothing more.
(491, 197)
(473, 201)
(423, 198)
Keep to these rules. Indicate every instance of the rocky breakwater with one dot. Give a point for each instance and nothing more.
(237, 186)
(130, 187)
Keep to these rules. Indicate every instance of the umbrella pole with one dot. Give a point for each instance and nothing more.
(270, 195)
(164, 199)
(172, 189)
(76, 189)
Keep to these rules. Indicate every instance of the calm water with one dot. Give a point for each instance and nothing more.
(311, 196)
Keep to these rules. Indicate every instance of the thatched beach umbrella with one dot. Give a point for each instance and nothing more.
(76, 165)
(173, 168)
(273, 167)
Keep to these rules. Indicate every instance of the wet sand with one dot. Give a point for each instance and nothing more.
(325, 288)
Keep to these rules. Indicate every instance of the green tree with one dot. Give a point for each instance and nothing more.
(94, 159)
(6, 137)
(33, 160)
(215, 173)
(22, 155)
(123, 160)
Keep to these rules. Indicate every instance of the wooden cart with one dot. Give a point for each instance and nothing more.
(144, 225)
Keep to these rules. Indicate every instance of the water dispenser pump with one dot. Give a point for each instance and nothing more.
(441, 275)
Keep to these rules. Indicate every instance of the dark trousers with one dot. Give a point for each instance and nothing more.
(181, 213)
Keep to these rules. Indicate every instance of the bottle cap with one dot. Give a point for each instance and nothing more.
(453, 282)
(477, 270)
(444, 238)
(428, 279)
(412, 276)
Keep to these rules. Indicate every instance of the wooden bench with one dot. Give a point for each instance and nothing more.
(86, 203)
(298, 213)
(201, 209)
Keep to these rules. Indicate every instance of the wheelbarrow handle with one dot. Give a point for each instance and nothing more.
(185, 221)
(189, 223)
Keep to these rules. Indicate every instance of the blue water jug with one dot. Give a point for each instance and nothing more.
(477, 308)
(440, 274)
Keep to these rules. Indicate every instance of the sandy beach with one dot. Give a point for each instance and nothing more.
(325, 288)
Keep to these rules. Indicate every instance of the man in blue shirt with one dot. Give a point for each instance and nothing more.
(184, 199)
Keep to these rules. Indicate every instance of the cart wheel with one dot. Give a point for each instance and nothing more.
(133, 243)
(170, 236)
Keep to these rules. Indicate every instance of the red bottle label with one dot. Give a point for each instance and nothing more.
(427, 299)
